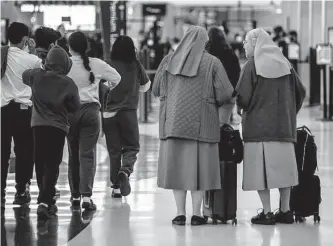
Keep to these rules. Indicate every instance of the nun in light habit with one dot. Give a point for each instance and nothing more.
(191, 85)
(271, 94)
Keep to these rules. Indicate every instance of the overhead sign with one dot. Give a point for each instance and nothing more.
(324, 54)
(66, 19)
(19, 3)
(154, 9)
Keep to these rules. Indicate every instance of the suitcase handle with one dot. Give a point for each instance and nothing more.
(306, 129)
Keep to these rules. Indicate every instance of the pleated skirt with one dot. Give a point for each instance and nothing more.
(188, 165)
(269, 165)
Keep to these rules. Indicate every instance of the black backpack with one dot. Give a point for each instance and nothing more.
(4, 54)
(231, 146)
(306, 152)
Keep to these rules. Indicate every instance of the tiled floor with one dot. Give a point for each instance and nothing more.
(144, 217)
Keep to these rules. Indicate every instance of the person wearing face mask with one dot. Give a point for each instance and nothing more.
(16, 111)
(271, 94)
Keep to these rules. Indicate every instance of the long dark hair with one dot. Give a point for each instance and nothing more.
(79, 43)
(219, 47)
(123, 50)
(217, 41)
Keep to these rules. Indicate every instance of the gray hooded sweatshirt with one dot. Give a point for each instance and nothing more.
(54, 95)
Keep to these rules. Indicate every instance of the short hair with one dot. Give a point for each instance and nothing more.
(44, 36)
(16, 32)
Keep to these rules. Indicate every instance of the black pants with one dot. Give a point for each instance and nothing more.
(15, 123)
(122, 140)
(49, 145)
(82, 140)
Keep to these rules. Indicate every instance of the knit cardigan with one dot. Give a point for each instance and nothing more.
(270, 105)
(189, 105)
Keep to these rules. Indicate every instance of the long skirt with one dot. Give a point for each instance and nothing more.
(269, 165)
(188, 165)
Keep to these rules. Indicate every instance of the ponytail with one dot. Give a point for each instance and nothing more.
(87, 67)
(79, 43)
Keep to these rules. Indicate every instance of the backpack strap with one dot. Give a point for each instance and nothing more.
(4, 55)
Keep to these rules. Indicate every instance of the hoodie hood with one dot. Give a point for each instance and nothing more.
(57, 60)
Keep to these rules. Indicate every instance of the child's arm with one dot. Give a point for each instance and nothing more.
(27, 78)
(72, 101)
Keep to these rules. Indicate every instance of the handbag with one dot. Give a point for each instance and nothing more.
(231, 147)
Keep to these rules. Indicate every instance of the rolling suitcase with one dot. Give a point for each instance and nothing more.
(305, 198)
(221, 205)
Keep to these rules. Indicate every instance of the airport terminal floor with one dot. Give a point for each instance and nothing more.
(144, 217)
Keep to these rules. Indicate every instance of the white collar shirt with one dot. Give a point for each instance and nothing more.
(12, 86)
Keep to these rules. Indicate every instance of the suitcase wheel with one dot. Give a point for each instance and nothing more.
(299, 219)
(234, 221)
(224, 222)
(215, 222)
(316, 218)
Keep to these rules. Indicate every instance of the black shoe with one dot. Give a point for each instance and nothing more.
(76, 202)
(115, 194)
(23, 198)
(52, 209)
(198, 220)
(125, 187)
(89, 205)
(264, 219)
(21, 213)
(179, 220)
(43, 213)
(284, 218)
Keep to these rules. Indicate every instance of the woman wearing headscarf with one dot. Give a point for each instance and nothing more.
(271, 94)
(191, 85)
(219, 47)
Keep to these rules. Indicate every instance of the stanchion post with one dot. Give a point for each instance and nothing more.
(331, 94)
(143, 99)
(147, 57)
(323, 69)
